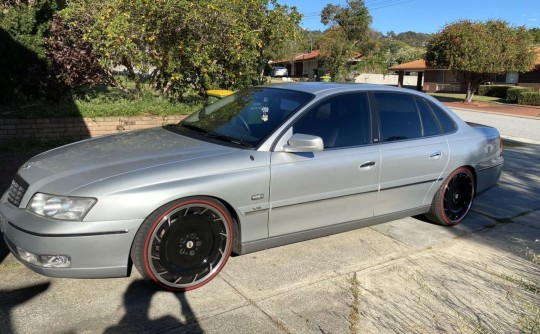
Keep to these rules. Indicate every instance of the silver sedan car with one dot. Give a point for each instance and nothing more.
(264, 167)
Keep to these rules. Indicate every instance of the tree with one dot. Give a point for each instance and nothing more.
(73, 62)
(336, 49)
(396, 52)
(535, 32)
(380, 52)
(23, 28)
(311, 40)
(354, 19)
(414, 39)
(349, 27)
(186, 47)
(478, 51)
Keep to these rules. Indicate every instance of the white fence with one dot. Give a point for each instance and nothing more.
(388, 79)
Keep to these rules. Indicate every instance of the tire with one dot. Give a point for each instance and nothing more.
(454, 199)
(184, 244)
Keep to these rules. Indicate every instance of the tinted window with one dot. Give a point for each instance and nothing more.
(398, 117)
(430, 126)
(447, 123)
(340, 121)
(246, 117)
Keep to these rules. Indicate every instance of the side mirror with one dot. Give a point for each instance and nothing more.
(304, 143)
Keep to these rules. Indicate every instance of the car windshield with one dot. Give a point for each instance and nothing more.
(247, 117)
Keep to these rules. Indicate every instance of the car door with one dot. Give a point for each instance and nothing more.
(339, 184)
(414, 152)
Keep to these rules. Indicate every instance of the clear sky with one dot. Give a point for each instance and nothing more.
(427, 16)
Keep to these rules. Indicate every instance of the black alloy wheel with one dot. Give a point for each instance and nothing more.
(454, 199)
(184, 244)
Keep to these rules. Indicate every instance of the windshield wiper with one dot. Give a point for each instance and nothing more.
(229, 139)
(194, 128)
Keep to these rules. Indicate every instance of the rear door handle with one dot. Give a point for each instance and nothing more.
(435, 155)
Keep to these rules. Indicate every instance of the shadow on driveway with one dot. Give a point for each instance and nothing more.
(4, 250)
(137, 300)
(10, 299)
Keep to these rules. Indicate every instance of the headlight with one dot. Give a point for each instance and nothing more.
(60, 207)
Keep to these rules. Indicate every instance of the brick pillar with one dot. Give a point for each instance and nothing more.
(419, 82)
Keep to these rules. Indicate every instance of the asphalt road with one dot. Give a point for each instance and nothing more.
(405, 276)
(510, 127)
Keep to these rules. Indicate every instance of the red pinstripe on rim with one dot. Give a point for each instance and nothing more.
(149, 235)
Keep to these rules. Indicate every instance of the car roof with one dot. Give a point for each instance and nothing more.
(320, 87)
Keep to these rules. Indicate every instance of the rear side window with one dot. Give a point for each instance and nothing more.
(399, 119)
(446, 121)
(430, 125)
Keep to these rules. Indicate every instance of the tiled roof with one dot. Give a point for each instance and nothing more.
(305, 56)
(419, 64)
(301, 56)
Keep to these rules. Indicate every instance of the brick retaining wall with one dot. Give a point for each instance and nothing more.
(78, 128)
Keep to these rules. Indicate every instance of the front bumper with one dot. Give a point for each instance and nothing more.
(97, 249)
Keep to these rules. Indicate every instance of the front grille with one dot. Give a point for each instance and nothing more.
(16, 190)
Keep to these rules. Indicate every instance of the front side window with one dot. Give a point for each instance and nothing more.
(341, 121)
(398, 116)
(247, 117)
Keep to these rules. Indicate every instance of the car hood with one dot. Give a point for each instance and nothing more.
(64, 169)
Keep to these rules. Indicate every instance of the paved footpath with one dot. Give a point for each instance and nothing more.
(498, 108)
(405, 276)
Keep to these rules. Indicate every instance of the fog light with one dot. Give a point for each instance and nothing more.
(47, 261)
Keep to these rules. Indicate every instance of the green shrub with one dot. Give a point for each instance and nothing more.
(529, 98)
(24, 25)
(512, 95)
(494, 90)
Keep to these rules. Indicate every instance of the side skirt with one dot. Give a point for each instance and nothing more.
(257, 245)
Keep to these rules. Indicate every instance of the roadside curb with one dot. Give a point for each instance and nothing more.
(522, 140)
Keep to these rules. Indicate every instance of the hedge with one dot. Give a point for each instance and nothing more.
(529, 98)
(494, 90)
(512, 95)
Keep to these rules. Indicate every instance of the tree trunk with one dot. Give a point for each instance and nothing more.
(470, 92)
(130, 70)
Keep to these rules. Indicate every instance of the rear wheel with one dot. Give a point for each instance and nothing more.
(184, 244)
(454, 199)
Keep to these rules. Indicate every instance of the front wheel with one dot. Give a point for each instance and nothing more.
(454, 199)
(184, 244)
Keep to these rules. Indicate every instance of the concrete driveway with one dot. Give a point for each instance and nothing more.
(406, 276)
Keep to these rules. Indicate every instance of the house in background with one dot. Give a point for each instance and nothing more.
(417, 66)
(528, 79)
(441, 80)
(304, 65)
(309, 65)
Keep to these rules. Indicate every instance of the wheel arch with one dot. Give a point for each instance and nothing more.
(437, 213)
(236, 233)
(138, 250)
(475, 176)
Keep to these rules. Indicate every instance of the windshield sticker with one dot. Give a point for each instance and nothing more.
(265, 110)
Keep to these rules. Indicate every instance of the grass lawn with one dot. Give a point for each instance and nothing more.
(458, 97)
(101, 102)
